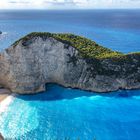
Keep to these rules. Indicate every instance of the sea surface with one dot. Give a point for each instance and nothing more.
(71, 114)
(115, 29)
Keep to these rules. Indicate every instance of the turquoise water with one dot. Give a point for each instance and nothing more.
(61, 113)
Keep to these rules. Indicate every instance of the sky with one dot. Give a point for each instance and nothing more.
(68, 4)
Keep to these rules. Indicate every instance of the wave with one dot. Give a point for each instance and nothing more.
(6, 102)
(136, 97)
(96, 97)
(3, 34)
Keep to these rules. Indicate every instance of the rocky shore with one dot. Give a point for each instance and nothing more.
(68, 60)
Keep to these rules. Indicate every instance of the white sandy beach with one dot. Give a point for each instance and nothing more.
(4, 93)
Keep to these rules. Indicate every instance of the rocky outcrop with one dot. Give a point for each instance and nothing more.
(1, 137)
(0, 32)
(28, 65)
(4, 91)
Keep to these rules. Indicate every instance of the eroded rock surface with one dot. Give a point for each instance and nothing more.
(27, 66)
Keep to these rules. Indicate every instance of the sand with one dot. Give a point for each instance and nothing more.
(4, 93)
(2, 97)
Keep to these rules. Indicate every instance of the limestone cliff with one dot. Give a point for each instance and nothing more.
(41, 58)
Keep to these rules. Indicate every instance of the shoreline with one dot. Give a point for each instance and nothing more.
(3, 97)
(4, 93)
(5, 100)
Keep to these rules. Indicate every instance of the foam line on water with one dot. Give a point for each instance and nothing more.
(136, 97)
(4, 33)
(5, 103)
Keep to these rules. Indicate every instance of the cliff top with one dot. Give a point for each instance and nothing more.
(86, 47)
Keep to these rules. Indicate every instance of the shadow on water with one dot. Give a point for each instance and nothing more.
(56, 92)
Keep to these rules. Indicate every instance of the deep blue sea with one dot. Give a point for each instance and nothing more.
(116, 29)
(70, 114)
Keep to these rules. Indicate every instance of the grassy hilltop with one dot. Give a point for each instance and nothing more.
(86, 47)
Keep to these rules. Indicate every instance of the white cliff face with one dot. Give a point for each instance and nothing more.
(28, 66)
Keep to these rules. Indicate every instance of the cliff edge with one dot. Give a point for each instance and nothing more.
(68, 60)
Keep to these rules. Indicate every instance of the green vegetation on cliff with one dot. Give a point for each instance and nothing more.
(86, 47)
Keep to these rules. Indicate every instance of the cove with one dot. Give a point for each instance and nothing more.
(61, 113)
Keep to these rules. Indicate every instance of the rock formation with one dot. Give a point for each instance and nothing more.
(39, 58)
(4, 91)
(1, 137)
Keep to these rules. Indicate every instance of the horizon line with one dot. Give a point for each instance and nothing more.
(72, 9)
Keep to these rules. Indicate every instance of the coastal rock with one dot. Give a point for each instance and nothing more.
(4, 91)
(1, 86)
(1, 137)
(31, 63)
(0, 32)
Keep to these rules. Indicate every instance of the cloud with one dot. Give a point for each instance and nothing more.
(65, 4)
(17, 2)
(59, 3)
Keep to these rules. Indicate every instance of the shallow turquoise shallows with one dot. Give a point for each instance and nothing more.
(67, 114)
